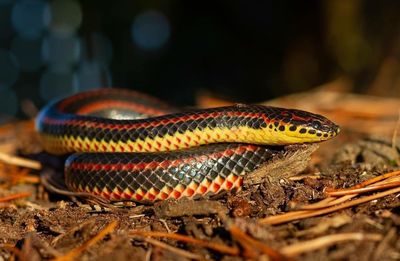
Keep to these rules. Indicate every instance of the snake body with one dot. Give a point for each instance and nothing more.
(158, 153)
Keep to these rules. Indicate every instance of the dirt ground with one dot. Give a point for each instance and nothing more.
(40, 225)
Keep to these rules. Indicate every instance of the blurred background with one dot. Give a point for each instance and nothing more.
(177, 50)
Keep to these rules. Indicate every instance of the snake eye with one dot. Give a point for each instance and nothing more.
(316, 125)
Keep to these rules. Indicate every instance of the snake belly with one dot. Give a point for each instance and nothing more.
(157, 153)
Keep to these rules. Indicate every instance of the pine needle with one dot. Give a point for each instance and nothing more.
(71, 255)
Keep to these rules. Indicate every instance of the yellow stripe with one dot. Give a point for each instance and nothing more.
(245, 134)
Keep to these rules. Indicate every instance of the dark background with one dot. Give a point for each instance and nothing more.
(241, 51)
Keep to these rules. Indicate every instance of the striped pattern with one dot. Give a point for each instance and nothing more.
(102, 121)
(64, 132)
(156, 176)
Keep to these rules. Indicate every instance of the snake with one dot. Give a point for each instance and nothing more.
(125, 145)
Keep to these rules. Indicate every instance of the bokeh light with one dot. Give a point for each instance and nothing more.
(150, 30)
(9, 68)
(28, 18)
(57, 83)
(61, 50)
(8, 102)
(65, 16)
(28, 53)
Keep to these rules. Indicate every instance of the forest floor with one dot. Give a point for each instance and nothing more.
(293, 208)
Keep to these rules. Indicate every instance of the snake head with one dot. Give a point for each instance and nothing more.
(299, 126)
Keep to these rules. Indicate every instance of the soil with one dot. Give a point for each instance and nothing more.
(46, 225)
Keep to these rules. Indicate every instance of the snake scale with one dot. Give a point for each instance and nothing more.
(129, 146)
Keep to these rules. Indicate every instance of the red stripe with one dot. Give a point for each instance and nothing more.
(298, 118)
(163, 164)
(122, 124)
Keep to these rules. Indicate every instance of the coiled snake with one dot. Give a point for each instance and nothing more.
(157, 153)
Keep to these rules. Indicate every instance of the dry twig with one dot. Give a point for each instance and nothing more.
(172, 249)
(332, 204)
(254, 245)
(326, 241)
(224, 249)
(76, 251)
(18, 161)
(15, 196)
(334, 192)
